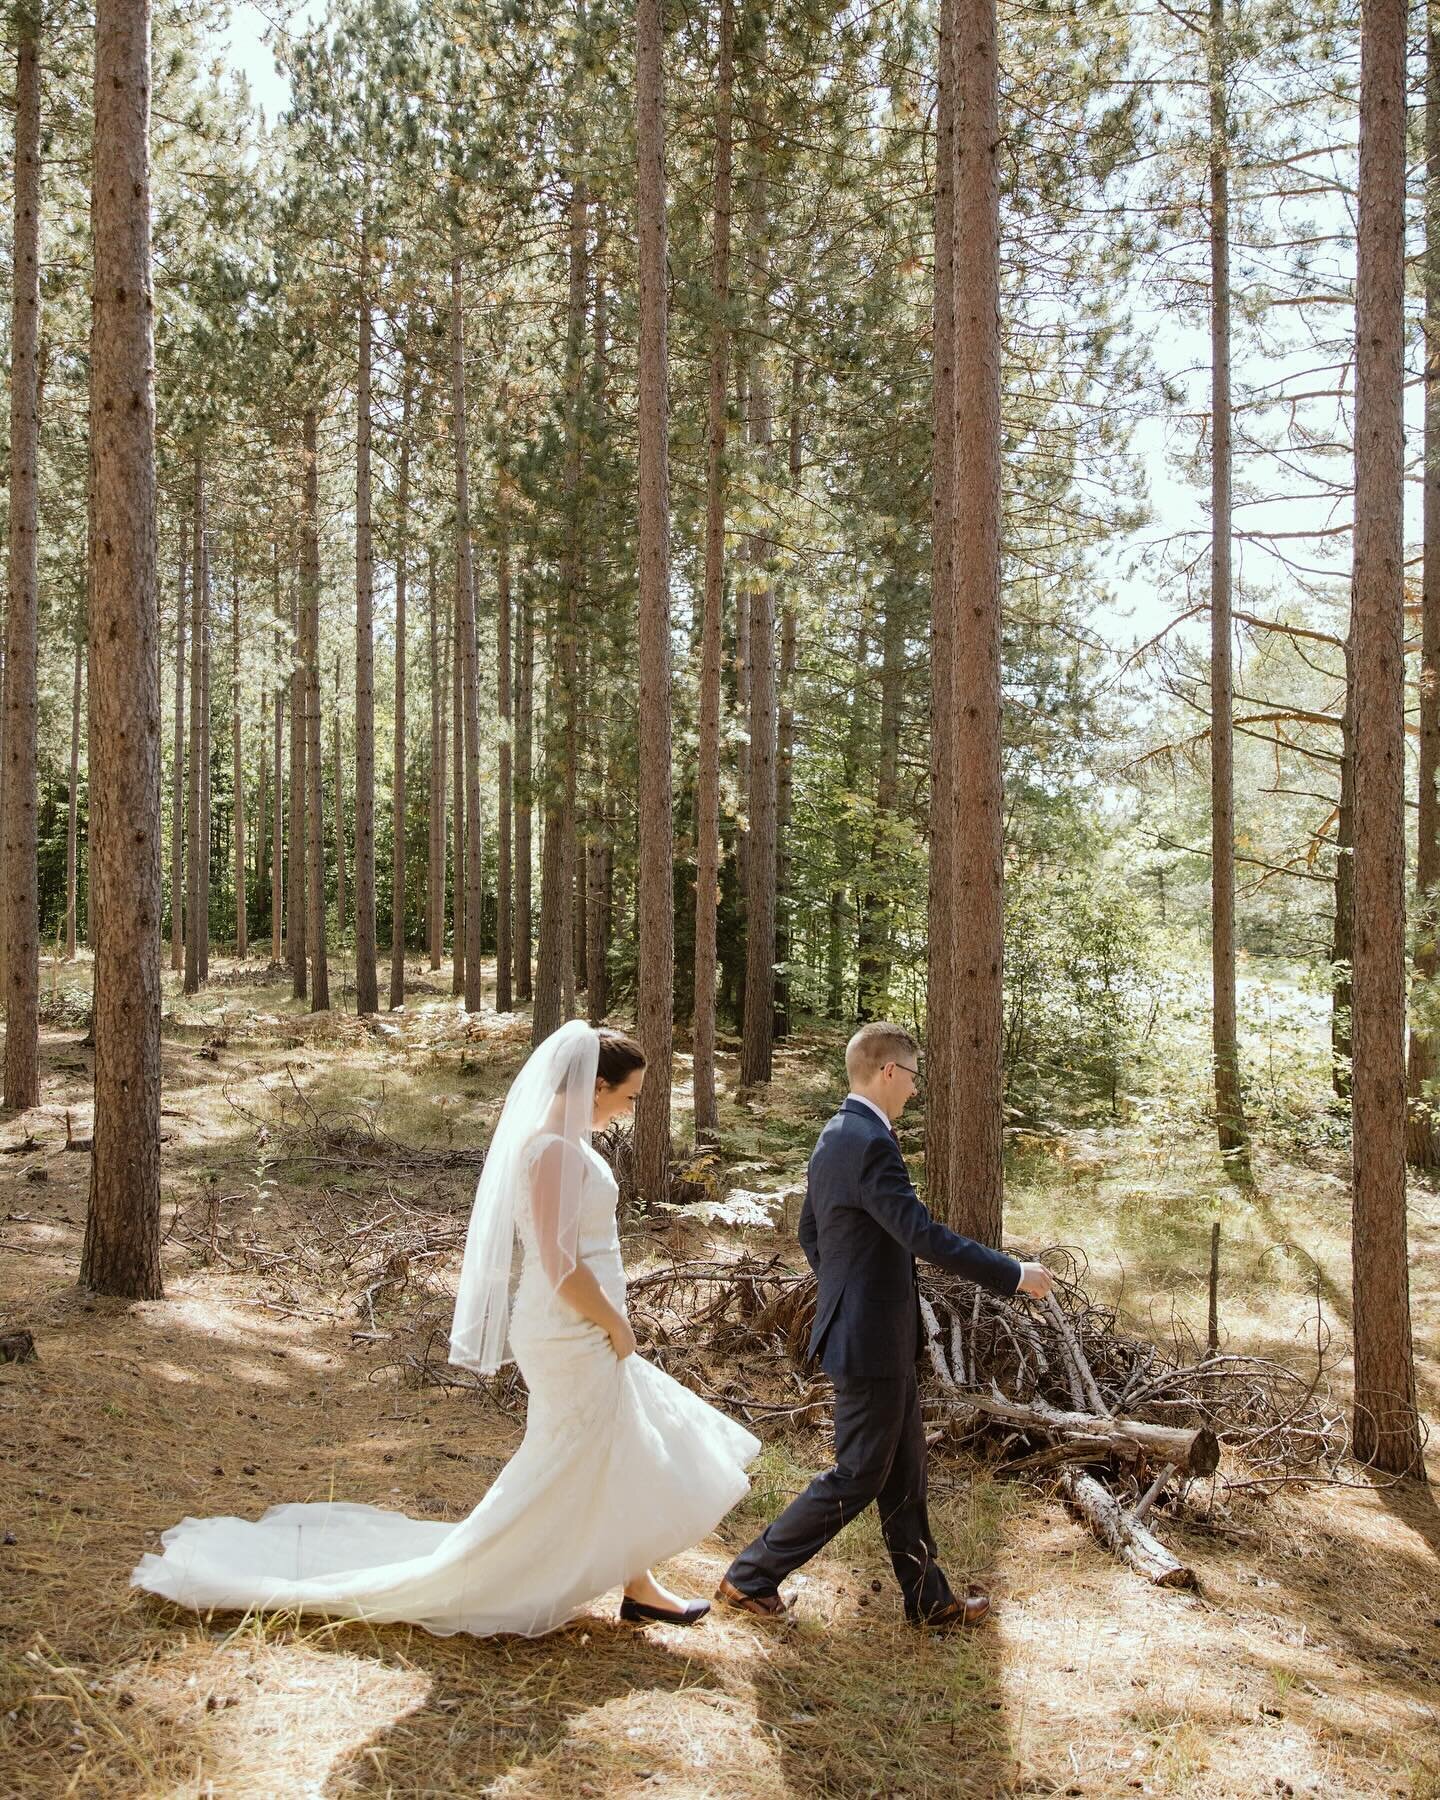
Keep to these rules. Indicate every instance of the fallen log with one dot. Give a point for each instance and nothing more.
(1192, 1451)
(1122, 1533)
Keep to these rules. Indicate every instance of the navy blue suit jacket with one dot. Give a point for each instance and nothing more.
(862, 1227)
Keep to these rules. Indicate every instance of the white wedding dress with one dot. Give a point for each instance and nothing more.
(620, 1468)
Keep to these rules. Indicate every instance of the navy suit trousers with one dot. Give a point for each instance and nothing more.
(879, 1455)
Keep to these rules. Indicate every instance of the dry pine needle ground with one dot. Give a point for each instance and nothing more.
(1307, 1664)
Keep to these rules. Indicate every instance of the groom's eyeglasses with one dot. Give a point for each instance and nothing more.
(908, 1070)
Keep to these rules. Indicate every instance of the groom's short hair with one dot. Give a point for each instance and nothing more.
(875, 1045)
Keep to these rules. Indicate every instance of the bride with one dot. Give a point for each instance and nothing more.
(620, 1466)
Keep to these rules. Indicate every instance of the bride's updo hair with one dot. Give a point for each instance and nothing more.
(620, 1057)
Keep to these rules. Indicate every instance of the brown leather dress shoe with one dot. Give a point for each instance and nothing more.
(974, 1609)
(762, 1606)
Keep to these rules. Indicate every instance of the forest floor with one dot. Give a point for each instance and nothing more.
(315, 1190)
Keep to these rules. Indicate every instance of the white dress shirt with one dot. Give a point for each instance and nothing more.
(875, 1109)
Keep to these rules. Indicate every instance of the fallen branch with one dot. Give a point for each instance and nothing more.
(1192, 1450)
(1123, 1532)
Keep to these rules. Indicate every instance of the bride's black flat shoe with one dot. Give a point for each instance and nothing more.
(635, 1612)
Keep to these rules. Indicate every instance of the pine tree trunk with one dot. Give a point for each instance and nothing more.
(177, 774)
(707, 781)
(435, 866)
(468, 648)
(338, 759)
(397, 777)
(367, 986)
(277, 817)
(555, 960)
(785, 745)
(121, 1252)
(194, 887)
(742, 662)
(1229, 1107)
(206, 806)
(314, 807)
(206, 839)
(1423, 1140)
(262, 797)
(877, 924)
(656, 846)
(548, 1011)
(457, 783)
(242, 936)
(1386, 1429)
(599, 698)
(964, 1008)
(524, 788)
(758, 1032)
(581, 843)
(296, 908)
(20, 885)
(504, 924)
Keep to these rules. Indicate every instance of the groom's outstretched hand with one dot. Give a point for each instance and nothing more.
(1035, 1280)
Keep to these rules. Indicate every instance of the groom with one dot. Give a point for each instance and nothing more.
(861, 1228)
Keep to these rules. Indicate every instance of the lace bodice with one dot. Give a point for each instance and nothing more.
(599, 1196)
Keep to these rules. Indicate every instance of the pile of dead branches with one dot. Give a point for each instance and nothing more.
(1055, 1390)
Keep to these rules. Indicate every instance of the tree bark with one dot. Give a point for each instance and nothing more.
(504, 924)
(435, 875)
(195, 923)
(1386, 1426)
(707, 781)
(314, 807)
(277, 813)
(656, 902)
(295, 861)
(468, 648)
(524, 790)
(555, 971)
(72, 821)
(367, 991)
(758, 1027)
(1193, 1450)
(206, 840)
(1121, 1532)
(242, 938)
(1422, 1138)
(121, 1252)
(177, 773)
(457, 782)
(397, 777)
(785, 743)
(877, 922)
(262, 793)
(593, 882)
(964, 1010)
(338, 757)
(1229, 1107)
(742, 667)
(21, 888)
